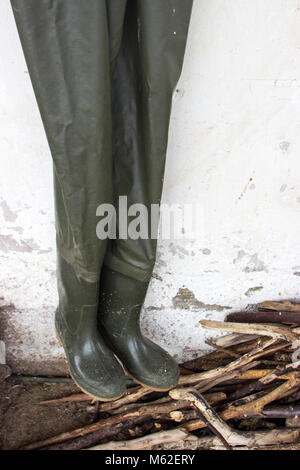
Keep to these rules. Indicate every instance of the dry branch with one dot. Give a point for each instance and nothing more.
(255, 406)
(279, 373)
(283, 306)
(145, 442)
(255, 440)
(236, 383)
(274, 331)
(234, 339)
(208, 415)
(218, 358)
(178, 439)
(265, 317)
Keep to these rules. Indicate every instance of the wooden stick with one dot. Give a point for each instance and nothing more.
(234, 339)
(281, 411)
(217, 358)
(283, 306)
(69, 398)
(266, 347)
(152, 407)
(134, 406)
(178, 439)
(255, 406)
(270, 412)
(132, 395)
(82, 441)
(209, 383)
(274, 331)
(219, 348)
(255, 440)
(208, 415)
(254, 374)
(279, 373)
(145, 442)
(264, 317)
(100, 425)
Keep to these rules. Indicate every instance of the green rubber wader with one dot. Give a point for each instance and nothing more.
(103, 72)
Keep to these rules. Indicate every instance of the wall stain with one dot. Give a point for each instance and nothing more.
(240, 255)
(8, 243)
(284, 146)
(252, 290)
(178, 250)
(153, 307)
(283, 188)
(8, 214)
(253, 264)
(185, 300)
(156, 276)
(17, 229)
(7, 307)
(245, 189)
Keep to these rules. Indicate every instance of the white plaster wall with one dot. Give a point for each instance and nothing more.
(234, 148)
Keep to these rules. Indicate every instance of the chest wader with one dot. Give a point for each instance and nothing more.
(103, 73)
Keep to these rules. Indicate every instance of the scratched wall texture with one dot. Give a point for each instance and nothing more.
(234, 149)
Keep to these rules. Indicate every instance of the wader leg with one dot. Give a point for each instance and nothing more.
(147, 70)
(68, 47)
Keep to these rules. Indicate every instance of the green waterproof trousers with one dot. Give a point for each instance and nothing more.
(103, 72)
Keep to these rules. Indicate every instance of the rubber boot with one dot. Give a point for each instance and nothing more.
(93, 367)
(121, 299)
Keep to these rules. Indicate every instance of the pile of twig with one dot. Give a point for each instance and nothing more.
(243, 395)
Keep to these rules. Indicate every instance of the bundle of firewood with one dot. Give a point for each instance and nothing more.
(243, 395)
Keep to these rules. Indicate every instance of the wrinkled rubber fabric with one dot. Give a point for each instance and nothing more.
(103, 73)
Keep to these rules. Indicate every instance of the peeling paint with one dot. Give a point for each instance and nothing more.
(185, 299)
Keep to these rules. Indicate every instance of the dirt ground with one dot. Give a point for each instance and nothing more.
(23, 420)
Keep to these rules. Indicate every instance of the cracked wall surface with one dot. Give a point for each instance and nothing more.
(234, 147)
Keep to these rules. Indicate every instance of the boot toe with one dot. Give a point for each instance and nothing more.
(162, 378)
(97, 381)
(158, 370)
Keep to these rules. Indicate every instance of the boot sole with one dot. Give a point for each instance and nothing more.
(148, 386)
(94, 397)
